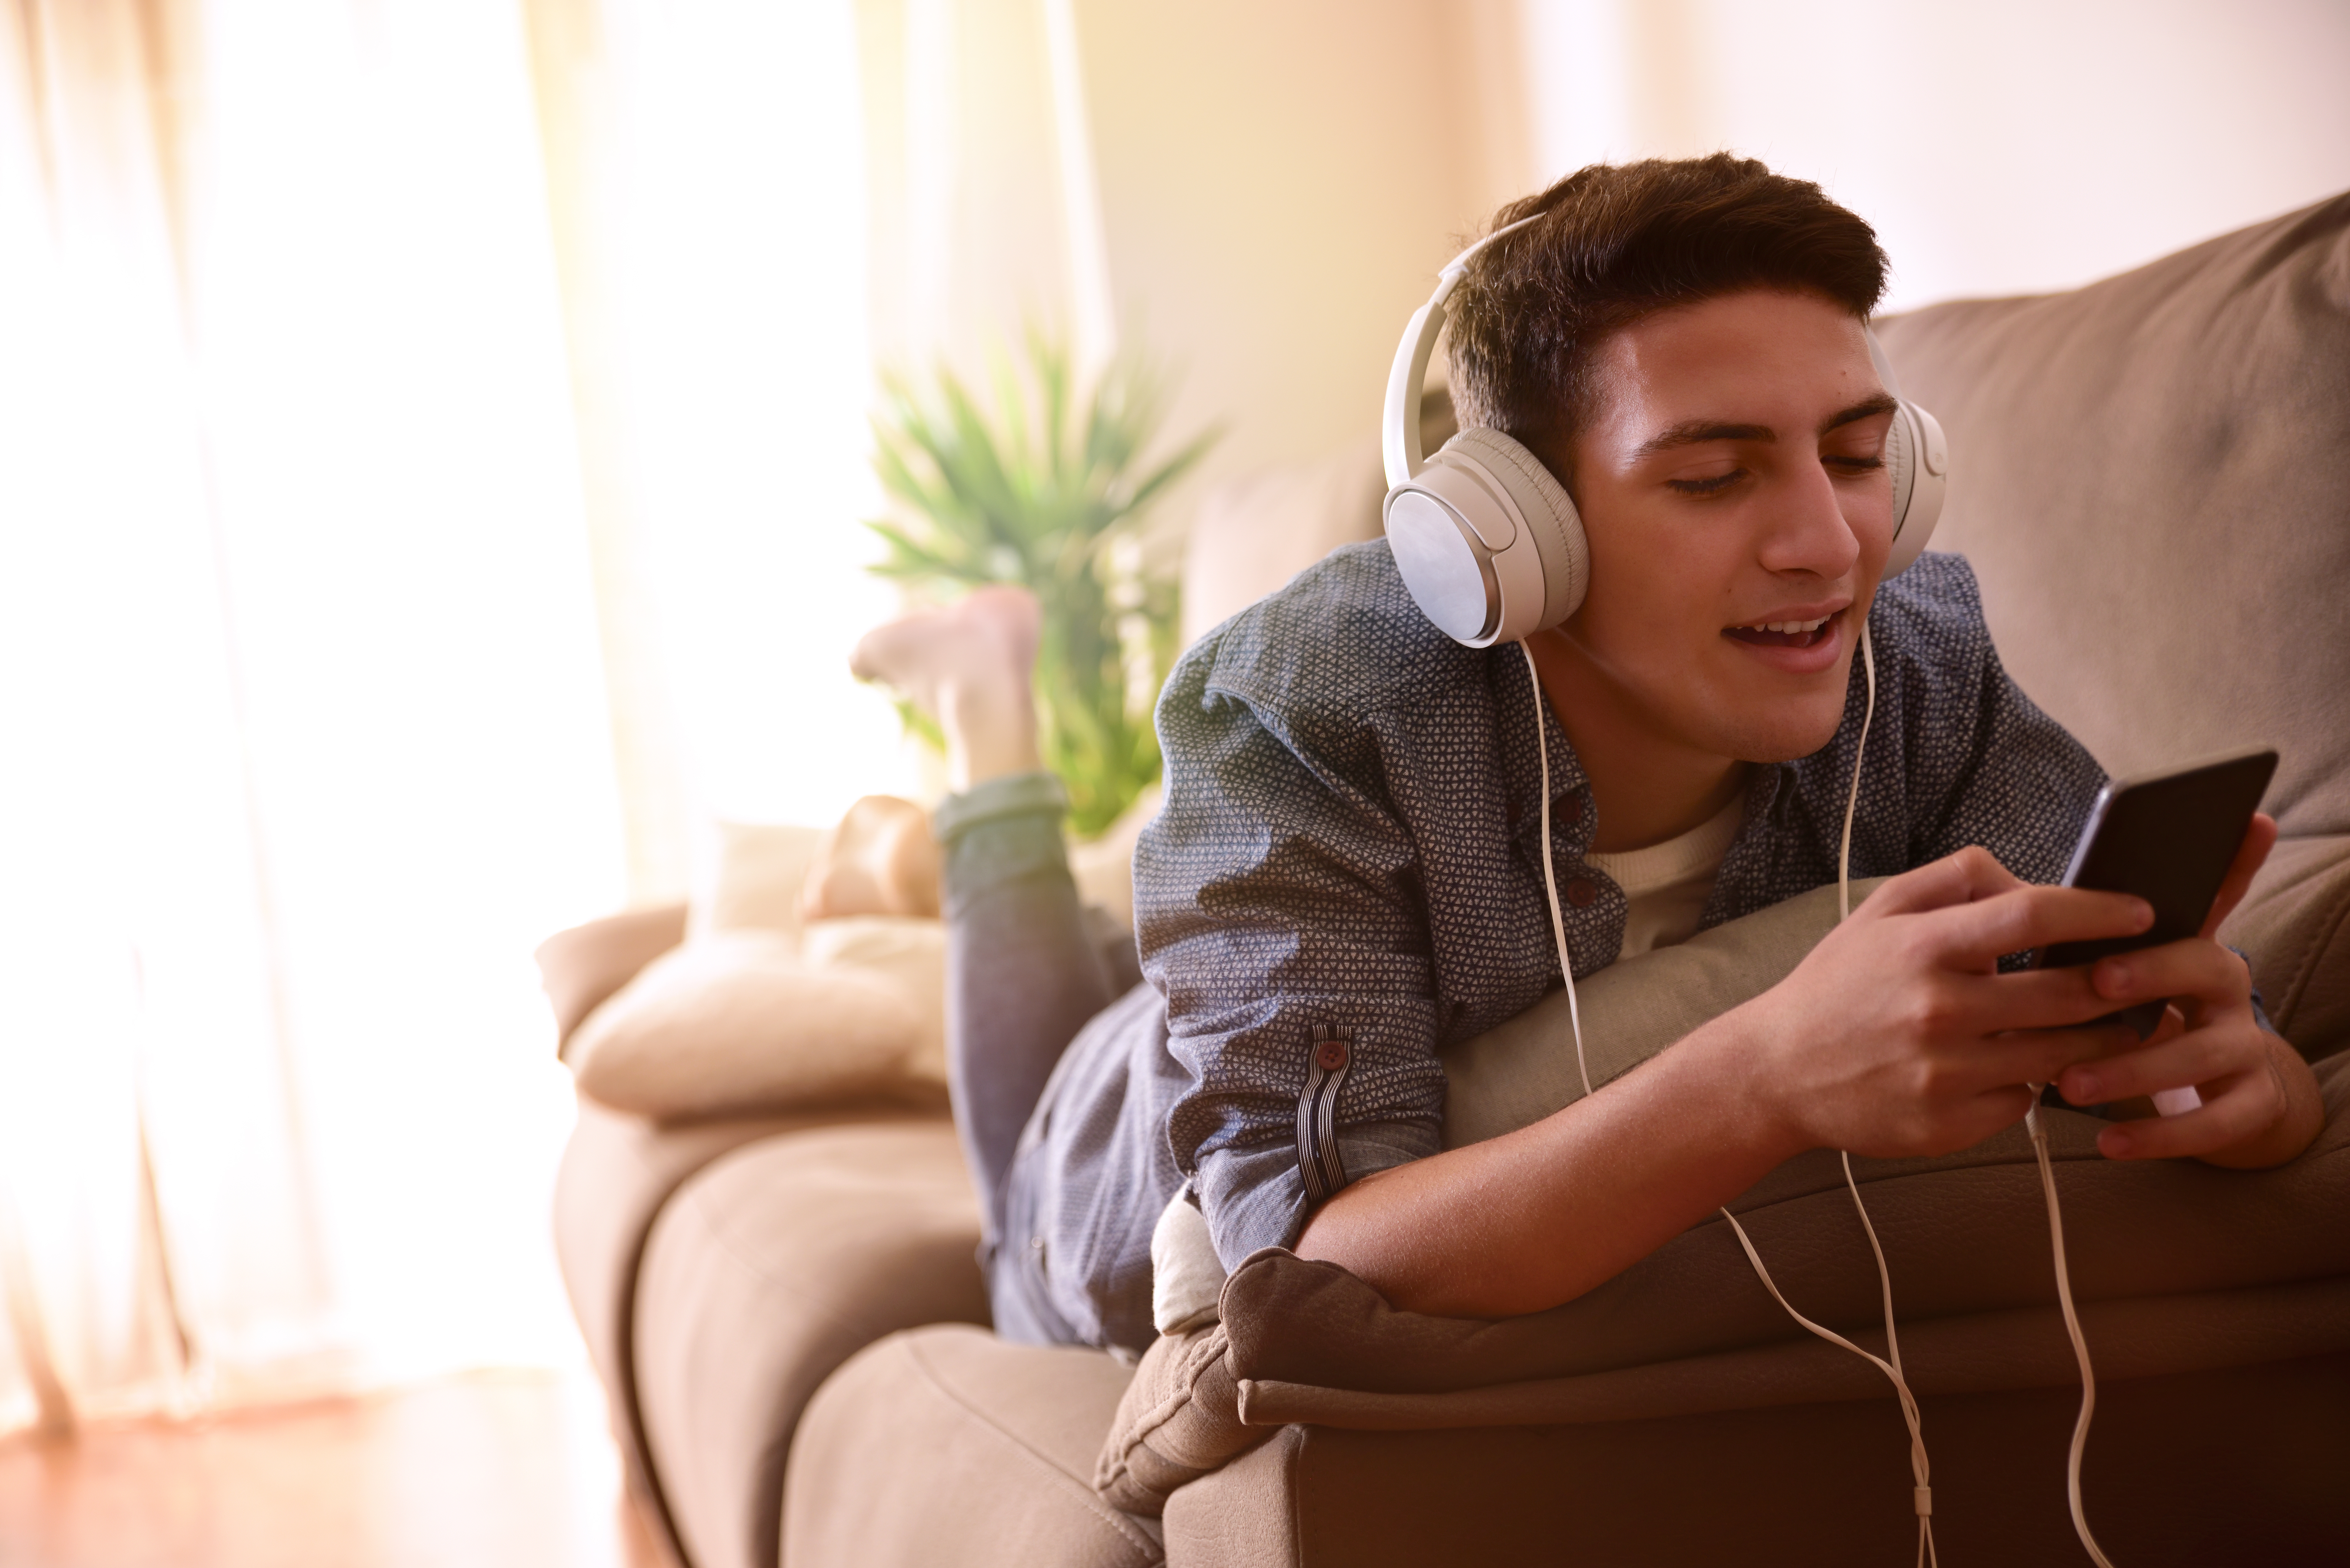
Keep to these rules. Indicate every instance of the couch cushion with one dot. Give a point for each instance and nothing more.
(948, 1445)
(1254, 534)
(753, 882)
(2294, 925)
(2241, 1466)
(766, 1271)
(2151, 477)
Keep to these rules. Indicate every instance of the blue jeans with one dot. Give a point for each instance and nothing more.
(1027, 967)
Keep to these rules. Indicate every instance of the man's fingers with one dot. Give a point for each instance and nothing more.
(2026, 916)
(2259, 839)
(2034, 999)
(2196, 967)
(2039, 1055)
(1970, 874)
(2195, 1057)
(2230, 1112)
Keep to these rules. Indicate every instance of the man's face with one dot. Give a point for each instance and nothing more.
(1732, 481)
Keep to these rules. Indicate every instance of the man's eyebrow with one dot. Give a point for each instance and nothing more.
(1868, 408)
(1693, 432)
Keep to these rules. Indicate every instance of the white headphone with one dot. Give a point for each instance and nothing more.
(1488, 540)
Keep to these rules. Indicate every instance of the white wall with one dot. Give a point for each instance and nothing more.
(2000, 147)
(1279, 184)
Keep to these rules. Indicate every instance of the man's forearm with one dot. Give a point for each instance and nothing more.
(1541, 1215)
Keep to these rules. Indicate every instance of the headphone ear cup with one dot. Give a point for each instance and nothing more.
(1921, 461)
(1552, 526)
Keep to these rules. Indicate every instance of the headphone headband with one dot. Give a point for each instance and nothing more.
(1399, 443)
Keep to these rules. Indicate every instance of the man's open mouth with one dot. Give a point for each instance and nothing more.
(1782, 633)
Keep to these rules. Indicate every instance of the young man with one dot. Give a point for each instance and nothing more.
(1346, 878)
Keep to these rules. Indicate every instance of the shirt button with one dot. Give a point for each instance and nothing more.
(1571, 808)
(1581, 893)
(1330, 1056)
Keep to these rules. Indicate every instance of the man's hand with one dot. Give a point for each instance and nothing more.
(2261, 1104)
(1898, 1035)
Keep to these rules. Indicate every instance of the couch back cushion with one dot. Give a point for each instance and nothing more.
(2151, 477)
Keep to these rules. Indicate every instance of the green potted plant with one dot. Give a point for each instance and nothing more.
(1049, 491)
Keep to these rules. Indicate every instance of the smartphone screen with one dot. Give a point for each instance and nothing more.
(2168, 837)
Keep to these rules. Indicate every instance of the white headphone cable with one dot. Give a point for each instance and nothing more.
(1852, 797)
(1921, 1495)
(2047, 1187)
(1550, 876)
(2073, 1328)
(1920, 1470)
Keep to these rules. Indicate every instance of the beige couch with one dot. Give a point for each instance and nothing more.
(2153, 483)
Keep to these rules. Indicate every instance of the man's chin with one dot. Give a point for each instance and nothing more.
(1768, 744)
(1770, 725)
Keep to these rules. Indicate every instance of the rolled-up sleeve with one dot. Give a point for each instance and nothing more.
(1279, 909)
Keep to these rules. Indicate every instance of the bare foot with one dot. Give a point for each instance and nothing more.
(967, 666)
(880, 860)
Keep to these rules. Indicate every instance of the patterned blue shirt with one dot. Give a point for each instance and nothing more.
(1350, 851)
(1346, 880)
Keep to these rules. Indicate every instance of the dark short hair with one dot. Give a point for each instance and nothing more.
(1620, 242)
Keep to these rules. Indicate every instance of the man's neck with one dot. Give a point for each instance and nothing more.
(1646, 786)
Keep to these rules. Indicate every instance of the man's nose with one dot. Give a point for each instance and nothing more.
(1807, 530)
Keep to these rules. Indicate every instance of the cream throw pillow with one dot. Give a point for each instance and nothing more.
(911, 956)
(740, 1021)
(759, 1010)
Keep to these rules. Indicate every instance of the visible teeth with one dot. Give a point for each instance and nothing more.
(1789, 627)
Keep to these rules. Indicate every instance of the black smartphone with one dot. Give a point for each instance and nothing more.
(2168, 837)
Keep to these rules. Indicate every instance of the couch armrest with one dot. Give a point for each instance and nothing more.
(580, 967)
(2248, 1456)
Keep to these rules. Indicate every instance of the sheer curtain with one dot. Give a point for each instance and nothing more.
(433, 439)
(142, 1011)
(304, 724)
(706, 175)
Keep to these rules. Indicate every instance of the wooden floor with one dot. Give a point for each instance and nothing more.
(511, 1470)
